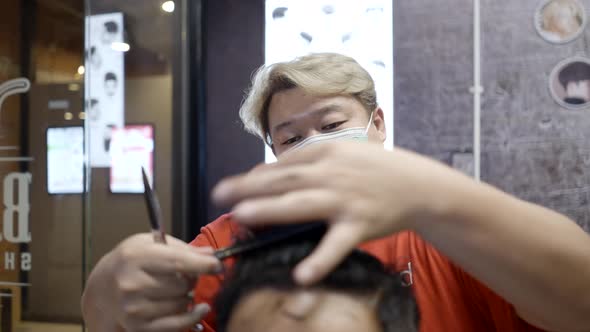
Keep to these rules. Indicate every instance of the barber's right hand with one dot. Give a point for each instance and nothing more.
(144, 286)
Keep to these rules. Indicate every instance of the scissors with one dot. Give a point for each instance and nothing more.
(155, 215)
(154, 211)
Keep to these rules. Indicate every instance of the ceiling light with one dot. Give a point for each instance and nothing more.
(81, 70)
(120, 47)
(168, 6)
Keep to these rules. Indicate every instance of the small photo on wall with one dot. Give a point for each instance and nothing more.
(569, 83)
(560, 21)
(131, 148)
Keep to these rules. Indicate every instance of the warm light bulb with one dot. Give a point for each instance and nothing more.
(81, 70)
(168, 6)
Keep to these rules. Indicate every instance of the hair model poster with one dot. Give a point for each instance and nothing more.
(132, 147)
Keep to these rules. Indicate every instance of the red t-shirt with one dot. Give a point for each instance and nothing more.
(448, 298)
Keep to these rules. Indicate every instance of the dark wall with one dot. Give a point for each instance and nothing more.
(56, 220)
(234, 37)
(433, 70)
(531, 147)
(114, 217)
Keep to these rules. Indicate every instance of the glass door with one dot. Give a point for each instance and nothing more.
(41, 164)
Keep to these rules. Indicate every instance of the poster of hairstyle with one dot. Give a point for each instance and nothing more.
(104, 84)
(65, 160)
(132, 148)
(360, 29)
(560, 21)
(569, 83)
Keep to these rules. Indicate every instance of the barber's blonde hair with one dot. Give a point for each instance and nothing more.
(553, 10)
(319, 74)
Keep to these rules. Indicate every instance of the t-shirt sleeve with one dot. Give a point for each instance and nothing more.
(217, 234)
(453, 299)
(500, 313)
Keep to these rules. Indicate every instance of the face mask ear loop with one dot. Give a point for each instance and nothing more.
(370, 122)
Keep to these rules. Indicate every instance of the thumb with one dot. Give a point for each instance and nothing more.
(340, 239)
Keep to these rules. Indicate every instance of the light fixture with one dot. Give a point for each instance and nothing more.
(120, 47)
(82, 115)
(168, 6)
(81, 70)
(68, 116)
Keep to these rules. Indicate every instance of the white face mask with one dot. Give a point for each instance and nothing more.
(356, 133)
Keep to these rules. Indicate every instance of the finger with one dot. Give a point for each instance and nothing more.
(144, 240)
(161, 259)
(261, 167)
(271, 181)
(307, 154)
(339, 241)
(144, 285)
(149, 310)
(298, 206)
(179, 322)
(176, 243)
(170, 286)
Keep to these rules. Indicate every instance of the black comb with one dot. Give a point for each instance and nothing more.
(270, 236)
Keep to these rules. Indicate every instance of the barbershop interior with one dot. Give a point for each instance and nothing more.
(104, 103)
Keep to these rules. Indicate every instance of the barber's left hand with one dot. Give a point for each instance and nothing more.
(362, 190)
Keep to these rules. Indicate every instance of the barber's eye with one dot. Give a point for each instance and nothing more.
(333, 125)
(291, 140)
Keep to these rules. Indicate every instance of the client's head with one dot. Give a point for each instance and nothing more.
(259, 294)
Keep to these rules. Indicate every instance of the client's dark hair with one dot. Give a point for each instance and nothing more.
(111, 26)
(359, 274)
(110, 76)
(574, 72)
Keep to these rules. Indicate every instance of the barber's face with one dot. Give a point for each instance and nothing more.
(294, 115)
(303, 310)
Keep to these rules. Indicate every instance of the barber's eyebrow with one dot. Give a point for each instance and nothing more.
(320, 111)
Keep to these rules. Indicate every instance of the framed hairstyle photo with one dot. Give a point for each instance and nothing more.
(569, 83)
(132, 147)
(560, 21)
